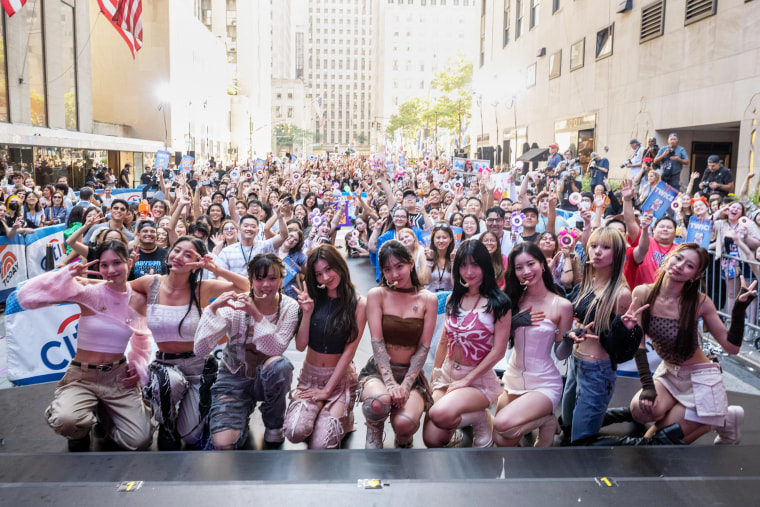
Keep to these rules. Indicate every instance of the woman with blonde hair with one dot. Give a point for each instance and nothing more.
(597, 300)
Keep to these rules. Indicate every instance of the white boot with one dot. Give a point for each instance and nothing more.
(547, 428)
(482, 427)
(731, 432)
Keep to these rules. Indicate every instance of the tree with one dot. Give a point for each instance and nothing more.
(287, 134)
(452, 101)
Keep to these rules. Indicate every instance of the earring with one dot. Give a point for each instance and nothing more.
(463, 283)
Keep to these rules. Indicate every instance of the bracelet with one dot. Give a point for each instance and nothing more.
(429, 264)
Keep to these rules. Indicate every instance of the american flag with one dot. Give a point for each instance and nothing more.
(126, 17)
(320, 112)
(12, 6)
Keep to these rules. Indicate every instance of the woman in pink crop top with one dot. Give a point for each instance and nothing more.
(179, 379)
(392, 382)
(334, 315)
(474, 339)
(686, 397)
(99, 375)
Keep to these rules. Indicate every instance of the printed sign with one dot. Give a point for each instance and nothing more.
(187, 163)
(659, 201)
(162, 159)
(699, 231)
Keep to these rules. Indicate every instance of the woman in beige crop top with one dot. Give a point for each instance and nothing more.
(393, 383)
(173, 305)
(687, 396)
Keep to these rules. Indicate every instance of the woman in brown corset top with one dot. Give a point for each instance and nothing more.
(686, 397)
(401, 316)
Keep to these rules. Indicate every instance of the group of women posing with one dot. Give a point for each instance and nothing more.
(205, 406)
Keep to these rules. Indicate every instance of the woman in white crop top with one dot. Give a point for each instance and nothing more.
(180, 381)
(99, 377)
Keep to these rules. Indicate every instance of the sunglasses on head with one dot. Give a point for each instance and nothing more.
(441, 225)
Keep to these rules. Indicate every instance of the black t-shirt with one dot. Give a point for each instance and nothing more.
(124, 178)
(153, 263)
(721, 176)
(530, 239)
(568, 189)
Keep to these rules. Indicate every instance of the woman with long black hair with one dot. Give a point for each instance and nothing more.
(475, 338)
(180, 381)
(532, 383)
(334, 315)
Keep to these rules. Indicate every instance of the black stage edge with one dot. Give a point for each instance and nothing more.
(698, 475)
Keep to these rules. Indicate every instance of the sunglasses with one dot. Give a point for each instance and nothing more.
(441, 225)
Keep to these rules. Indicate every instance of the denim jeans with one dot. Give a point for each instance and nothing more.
(234, 397)
(588, 391)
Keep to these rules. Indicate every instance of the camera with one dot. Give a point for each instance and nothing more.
(671, 151)
(13, 205)
(625, 163)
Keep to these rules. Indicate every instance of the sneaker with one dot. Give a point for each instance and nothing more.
(375, 437)
(79, 444)
(482, 431)
(274, 435)
(455, 440)
(731, 432)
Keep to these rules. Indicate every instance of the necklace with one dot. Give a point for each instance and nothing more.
(408, 290)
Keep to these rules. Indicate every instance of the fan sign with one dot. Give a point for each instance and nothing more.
(517, 220)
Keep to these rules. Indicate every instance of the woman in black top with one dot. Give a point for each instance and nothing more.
(333, 321)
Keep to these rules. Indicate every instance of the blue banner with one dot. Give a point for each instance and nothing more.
(699, 231)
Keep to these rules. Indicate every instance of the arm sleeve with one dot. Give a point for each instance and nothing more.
(648, 391)
(272, 338)
(211, 329)
(415, 366)
(50, 288)
(736, 331)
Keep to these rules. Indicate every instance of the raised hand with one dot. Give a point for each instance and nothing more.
(80, 269)
(630, 317)
(304, 300)
(626, 188)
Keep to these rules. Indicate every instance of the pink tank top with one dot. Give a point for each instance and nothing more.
(472, 333)
(107, 332)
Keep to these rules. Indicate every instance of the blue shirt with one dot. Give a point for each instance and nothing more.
(554, 161)
(669, 166)
(597, 176)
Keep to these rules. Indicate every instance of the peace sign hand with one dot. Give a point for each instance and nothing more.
(304, 300)
(629, 318)
(579, 335)
(80, 269)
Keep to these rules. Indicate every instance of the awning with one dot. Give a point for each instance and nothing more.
(534, 155)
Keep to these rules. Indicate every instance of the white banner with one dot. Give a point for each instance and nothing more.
(12, 263)
(35, 248)
(41, 342)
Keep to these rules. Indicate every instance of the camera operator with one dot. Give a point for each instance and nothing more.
(600, 168)
(717, 179)
(634, 163)
(671, 159)
(568, 185)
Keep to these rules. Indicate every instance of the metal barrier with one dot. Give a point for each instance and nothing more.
(723, 282)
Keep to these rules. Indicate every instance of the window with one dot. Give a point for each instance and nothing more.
(278, 111)
(290, 93)
(36, 65)
(604, 42)
(518, 18)
(506, 24)
(4, 116)
(530, 76)
(555, 64)
(69, 62)
(577, 54)
(482, 52)
(652, 21)
(555, 6)
(699, 9)
(278, 93)
(534, 5)
(290, 112)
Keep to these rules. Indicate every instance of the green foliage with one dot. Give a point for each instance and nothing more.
(452, 102)
(287, 134)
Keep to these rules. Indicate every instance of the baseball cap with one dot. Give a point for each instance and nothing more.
(554, 146)
(713, 159)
